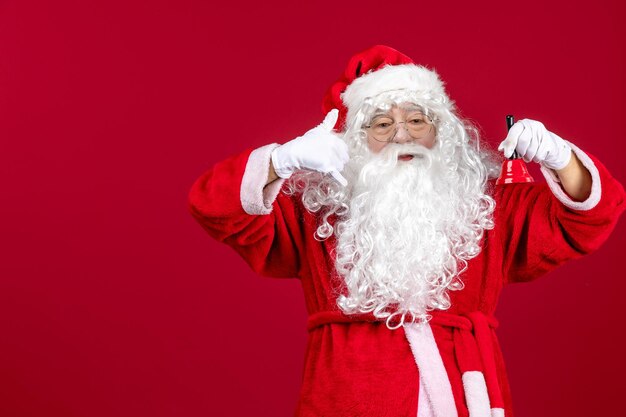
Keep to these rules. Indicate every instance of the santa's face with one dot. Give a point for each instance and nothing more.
(405, 123)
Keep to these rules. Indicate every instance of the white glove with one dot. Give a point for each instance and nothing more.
(319, 149)
(533, 142)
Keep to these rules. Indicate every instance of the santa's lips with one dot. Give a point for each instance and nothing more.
(405, 157)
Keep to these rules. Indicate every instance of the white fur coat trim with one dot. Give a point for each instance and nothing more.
(476, 395)
(497, 412)
(439, 400)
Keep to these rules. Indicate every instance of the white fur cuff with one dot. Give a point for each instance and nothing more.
(255, 197)
(596, 186)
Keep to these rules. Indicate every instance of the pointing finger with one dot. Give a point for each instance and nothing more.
(339, 178)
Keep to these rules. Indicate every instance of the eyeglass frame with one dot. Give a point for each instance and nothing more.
(391, 139)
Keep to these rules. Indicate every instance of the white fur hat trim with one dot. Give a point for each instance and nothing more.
(414, 78)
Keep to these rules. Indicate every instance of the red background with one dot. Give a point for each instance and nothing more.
(114, 302)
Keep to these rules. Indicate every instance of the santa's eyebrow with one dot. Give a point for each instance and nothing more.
(408, 108)
(413, 107)
(380, 112)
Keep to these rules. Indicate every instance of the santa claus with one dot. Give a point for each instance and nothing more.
(388, 214)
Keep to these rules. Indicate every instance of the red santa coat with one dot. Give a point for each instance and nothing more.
(356, 366)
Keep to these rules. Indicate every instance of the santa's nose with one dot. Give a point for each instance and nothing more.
(402, 135)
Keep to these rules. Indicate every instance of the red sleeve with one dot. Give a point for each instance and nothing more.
(261, 224)
(540, 227)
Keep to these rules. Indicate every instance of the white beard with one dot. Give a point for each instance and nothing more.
(407, 236)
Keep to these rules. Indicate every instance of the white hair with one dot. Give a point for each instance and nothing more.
(399, 260)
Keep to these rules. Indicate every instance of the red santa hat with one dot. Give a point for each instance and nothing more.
(377, 70)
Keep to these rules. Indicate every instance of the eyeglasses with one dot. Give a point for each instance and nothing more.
(384, 128)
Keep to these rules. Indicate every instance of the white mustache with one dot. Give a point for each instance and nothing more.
(395, 149)
(388, 156)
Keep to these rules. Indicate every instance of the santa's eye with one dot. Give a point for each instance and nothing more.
(382, 123)
(416, 118)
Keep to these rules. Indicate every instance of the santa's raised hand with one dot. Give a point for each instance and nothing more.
(319, 149)
(533, 142)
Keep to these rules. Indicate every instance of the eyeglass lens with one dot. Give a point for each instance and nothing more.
(385, 128)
